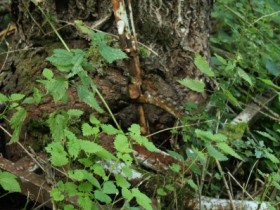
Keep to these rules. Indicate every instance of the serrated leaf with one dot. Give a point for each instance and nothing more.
(109, 188)
(16, 123)
(111, 54)
(100, 196)
(62, 59)
(85, 187)
(73, 148)
(121, 144)
(9, 182)
(89, 147)
(122, 182)
(228, 150)
(87, 130)
(109, 129)
(3, 98)
(126, 193)
(58, 154)
(57, 124)
(204, 135)
(93, 120)
(99, 170)
(75, 113)
(70, 188)
(56, 194)
(221, 59)
(142, 199)
(85, 202)
(135, 129)
(194, 85)
(88, 97)
(16, 97)
(215, 153)
(267, 135)
(244, 76)
(47, 73)
(175, 167)
(68, 207)
(203, 65)
(88, 176)
(271, 157)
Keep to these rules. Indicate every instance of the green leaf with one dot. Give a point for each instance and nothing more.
(110, 54)
(47, 73)
(142, 199)
(88, 130)
(203, 65)
(85, 202)
(121, 144)
(85, 187)
(73, 148)
(93, 120)
(175, 167)
(88, 176)
(16, 97)
(228, 150)
(267, 135)
(58, 154)
(110, 188)
(9, 182)
(127, 194)
(99, 170)
(109, 129)
(68, 207)
(215, 153)
(57, 124)
(192, 185)
(231, 98)
(271, 157)
(122, 182)
(194, 85)
(221, 59)
(16, 123)
(204, 135)
(88, 97)
(75, 113)
(244, 76)
(89, 147)
(56, 194)
(99, 195)
(70, 188)
(3, 98)
(161, 192)
(62, 59)
(269, 83)
(135, 129)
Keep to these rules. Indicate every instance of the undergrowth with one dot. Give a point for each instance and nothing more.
(227, 159)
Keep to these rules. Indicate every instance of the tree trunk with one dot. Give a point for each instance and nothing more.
(174, 30)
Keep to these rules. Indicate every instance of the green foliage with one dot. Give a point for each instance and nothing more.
(9, 182)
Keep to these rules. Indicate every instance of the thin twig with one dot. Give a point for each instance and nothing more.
(226, 184)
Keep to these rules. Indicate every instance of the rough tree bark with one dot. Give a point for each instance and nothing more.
(175, 30)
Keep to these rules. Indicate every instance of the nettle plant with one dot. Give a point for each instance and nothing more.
(77, 149)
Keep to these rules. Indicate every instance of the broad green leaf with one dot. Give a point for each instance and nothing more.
(175, 167)
(75, 113)
(89, 147)
(271, 157)
(85, 187)
(3, 98)
(267, 135)
(70, 188)
(110, 188)
(47, 73)
(56, 194)
(126, 193)
(16, 97)
(62, 59)
(122, 182)
(194, 85)
(142, 199)
(76, 175)
(88, 97)
(135, 129)
(203, 65)
(85, 202)
(57, 124)
(121, 144)
(109, 129)
(73, 148)
(215, 153)
(88, 130)
(221, 59)
(93, 120)
(244, 76)
(111, 54)
(68, 207)
(204, 135)
(58, 154)
(99, 170)
(9, 182)
(161, 192)
(228, 150)
(100, 196)
(88, 176)
(219, 137)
